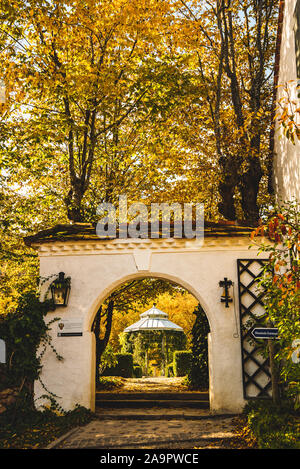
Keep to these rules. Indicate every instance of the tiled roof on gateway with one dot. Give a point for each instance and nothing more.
(87, 232)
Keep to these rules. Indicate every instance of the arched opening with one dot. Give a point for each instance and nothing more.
(178, 365)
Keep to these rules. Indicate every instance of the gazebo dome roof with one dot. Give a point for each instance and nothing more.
(153, 320)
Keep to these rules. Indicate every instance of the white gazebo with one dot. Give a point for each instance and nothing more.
(154, 320)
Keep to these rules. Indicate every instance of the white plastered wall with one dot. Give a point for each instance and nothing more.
(97, 269)
(286, 154)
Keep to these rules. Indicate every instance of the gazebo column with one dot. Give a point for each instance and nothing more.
(146, 362)
(163, 350)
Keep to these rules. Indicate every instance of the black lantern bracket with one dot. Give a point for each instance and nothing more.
(60, 290)
(225, 297)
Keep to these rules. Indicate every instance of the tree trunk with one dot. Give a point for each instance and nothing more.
(227, 185)
(96, 330)
(102, 343)
(73, 204)
(226, 207)
(249, 188)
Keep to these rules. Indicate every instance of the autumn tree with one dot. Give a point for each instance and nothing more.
(233, 45)
(20, 213)
(163, 100)
(81, 95)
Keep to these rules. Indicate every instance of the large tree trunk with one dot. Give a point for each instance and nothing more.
(74, 208)
(227, 186)
(249, 188)
(249, 178)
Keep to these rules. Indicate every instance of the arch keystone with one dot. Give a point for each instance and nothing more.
(142, 259)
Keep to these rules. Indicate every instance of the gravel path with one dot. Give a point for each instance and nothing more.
(152, 384)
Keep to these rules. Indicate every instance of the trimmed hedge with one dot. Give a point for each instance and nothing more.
(123, 368)
(182, 362)
(137, 371)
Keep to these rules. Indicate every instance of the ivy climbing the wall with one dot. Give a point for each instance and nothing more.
(26, 336)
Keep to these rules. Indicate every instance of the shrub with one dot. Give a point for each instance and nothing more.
(107, 383)
(170, 370)
(36, 429)
(137, 371)
(281, 440)
(280, 280)
(123, 367)
(182, 362)
(108, 359)
(274, 427)
(125, 364)
(27, 338)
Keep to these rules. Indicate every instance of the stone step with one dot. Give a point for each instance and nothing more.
(198, 442)
(194, 396)
(142, 403)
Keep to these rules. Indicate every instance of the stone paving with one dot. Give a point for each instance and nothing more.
(164, 433)
(155, 427)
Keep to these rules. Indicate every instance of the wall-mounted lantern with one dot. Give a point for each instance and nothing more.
(225, 297)
(60, 290)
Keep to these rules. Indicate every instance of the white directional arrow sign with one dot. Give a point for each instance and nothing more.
(265, 333)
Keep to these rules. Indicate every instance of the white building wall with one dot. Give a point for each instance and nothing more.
(287, 155)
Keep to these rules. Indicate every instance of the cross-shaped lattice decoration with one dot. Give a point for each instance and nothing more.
(256, 371)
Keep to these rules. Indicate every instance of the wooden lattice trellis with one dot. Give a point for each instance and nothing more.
(256, 371)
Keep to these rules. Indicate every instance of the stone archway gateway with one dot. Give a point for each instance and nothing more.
(98, 266)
